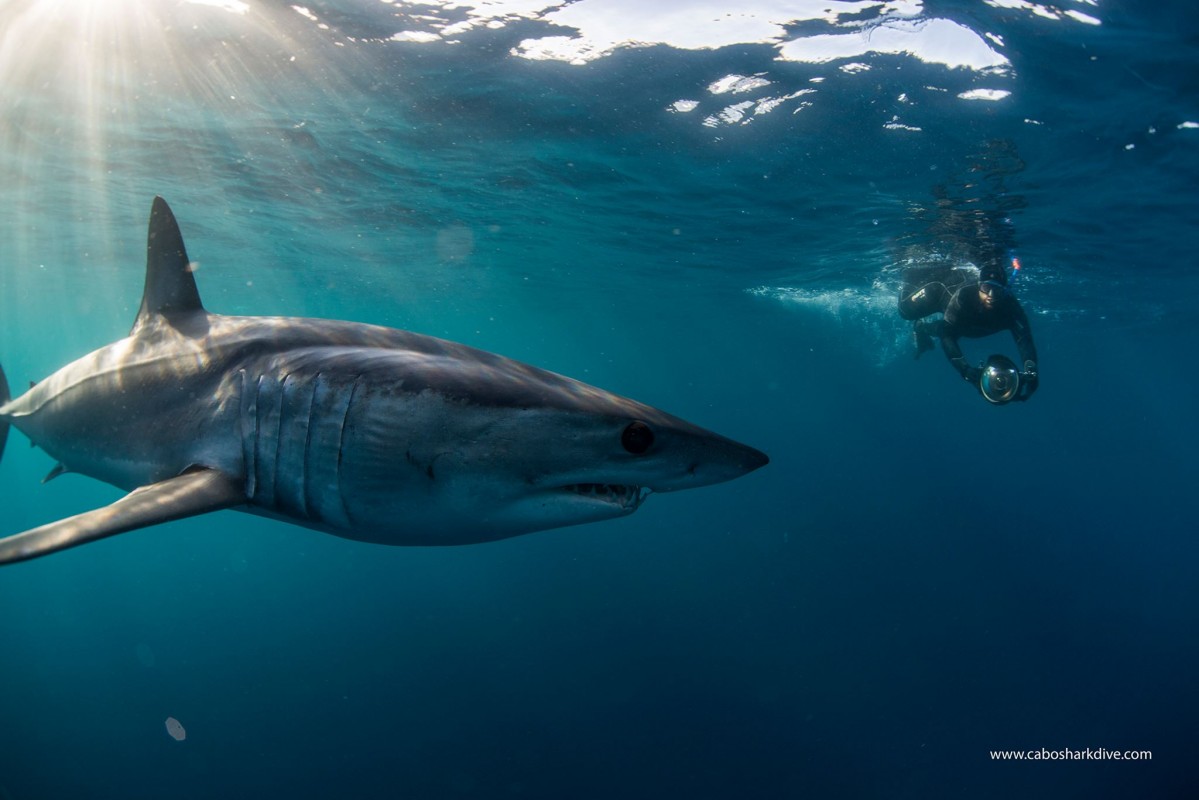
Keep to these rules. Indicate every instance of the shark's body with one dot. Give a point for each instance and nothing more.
(361, 431)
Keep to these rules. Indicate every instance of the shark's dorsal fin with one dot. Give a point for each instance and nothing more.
(170, 288)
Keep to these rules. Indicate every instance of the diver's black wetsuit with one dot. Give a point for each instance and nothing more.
(954, 292)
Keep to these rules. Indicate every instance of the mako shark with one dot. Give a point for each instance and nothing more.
(361, 431)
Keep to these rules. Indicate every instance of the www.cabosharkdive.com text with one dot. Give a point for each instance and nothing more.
(1066, 754)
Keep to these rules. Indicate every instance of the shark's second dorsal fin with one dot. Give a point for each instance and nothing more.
(170, 287)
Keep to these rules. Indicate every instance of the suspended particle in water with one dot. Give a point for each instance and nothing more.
(145, 655)
(455, 243)
(175, 729)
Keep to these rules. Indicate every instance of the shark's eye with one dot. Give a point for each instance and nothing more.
(637, 438)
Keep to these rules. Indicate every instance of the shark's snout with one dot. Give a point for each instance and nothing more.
(751, 459)
(710, 458)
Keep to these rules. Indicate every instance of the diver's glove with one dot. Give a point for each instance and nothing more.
(1028, 380)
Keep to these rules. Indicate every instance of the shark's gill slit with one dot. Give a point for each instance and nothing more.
(310, 459)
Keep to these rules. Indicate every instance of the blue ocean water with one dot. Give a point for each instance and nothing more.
(703, 205)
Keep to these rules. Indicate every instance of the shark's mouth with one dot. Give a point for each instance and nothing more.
(627, 497)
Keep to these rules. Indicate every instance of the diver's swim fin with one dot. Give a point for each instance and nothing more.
(187, 495)
(921, 339)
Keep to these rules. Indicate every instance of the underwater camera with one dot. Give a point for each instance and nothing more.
(1000, 380)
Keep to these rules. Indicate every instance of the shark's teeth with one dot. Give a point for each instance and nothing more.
(613, 493)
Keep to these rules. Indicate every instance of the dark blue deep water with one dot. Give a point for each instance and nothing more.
(703, 204)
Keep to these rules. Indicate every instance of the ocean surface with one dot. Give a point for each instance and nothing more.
(702, 204)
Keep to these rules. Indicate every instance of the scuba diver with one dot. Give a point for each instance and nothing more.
(969, 222)
(972, 307)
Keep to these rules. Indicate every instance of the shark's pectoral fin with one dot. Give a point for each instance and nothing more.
(189, 494)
